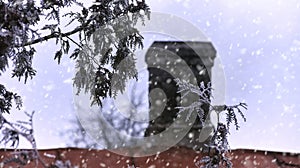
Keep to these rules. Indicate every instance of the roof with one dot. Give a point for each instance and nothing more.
(174, 157)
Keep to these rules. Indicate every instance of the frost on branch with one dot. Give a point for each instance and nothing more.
(204, 93)
(231, 116)
(218, 145)
(11, 133)
(105, 58)
(6, 98)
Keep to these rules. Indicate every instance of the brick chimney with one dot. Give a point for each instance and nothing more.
(187, 61)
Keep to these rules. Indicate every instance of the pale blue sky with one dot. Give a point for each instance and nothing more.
(258, 43)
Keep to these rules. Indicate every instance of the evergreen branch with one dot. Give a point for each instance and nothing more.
(130, 8)
(73, 41)
(54, 35)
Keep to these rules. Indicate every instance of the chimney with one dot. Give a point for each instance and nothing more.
(187, 61)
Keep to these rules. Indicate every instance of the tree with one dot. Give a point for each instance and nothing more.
(117, 42)
(98, 56)
(114, 118)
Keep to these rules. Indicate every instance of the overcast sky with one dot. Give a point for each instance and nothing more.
(258, 43)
